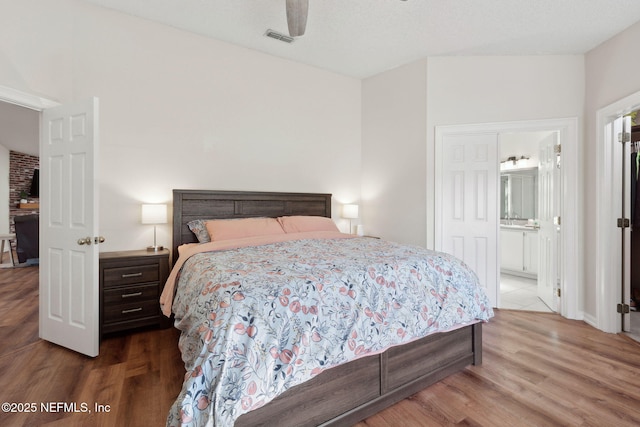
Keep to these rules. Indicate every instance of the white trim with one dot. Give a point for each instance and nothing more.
(590, 320)
(23, 99)
(608, 269)
(571, 218)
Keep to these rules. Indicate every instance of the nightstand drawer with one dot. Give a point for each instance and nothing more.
(134, 274)
(130, 286)
(123, 312)
(131, 294)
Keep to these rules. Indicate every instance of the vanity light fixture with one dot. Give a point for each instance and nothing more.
(515, 159)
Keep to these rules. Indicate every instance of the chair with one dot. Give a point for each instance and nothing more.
(7, 238)
(27, 237)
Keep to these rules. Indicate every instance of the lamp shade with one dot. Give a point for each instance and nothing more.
(154, 214)
(350, 211)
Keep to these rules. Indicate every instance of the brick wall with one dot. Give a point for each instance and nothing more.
(21, 168)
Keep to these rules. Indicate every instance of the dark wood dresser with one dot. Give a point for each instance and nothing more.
(130, 286)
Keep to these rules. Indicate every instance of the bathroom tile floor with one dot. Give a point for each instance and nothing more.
(519, 293)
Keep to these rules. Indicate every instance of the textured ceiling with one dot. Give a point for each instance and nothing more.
(361, 38)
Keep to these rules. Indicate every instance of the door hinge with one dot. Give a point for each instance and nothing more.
(623, 308)
(624, 137)
(623, 223)
(557, 220)
(558, 292)
(557, 149)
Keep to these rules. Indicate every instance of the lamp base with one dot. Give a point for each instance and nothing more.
(155, 248)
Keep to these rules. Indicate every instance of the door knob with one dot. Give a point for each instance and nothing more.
(85, 241)
(99, 239)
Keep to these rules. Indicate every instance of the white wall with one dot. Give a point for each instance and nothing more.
(19, 129)
(181, 111)
(394, 153)
(610, 76)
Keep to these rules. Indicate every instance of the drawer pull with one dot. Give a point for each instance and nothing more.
(133, 310)
(134, 294)
(126, 276)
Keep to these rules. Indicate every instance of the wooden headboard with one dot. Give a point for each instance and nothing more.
(210, 204)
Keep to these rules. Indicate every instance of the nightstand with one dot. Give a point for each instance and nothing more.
(130, 286)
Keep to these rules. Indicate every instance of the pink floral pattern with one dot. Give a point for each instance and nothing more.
(257, 321)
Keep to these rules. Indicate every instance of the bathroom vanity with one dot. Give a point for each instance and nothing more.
(519, 250)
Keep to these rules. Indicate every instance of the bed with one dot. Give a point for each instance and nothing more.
(221, 385)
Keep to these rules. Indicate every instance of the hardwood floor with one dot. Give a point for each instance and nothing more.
(136, 376)
(538, 370)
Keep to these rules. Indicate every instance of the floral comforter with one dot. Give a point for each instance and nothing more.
(258, 320)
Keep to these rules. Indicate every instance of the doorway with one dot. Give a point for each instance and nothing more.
(567, 132)
(523, 196)
(68, 275)
(19, 149)
(612, 279)
(633, 329)
(625, 134)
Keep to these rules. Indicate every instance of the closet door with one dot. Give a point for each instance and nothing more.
(467, 197)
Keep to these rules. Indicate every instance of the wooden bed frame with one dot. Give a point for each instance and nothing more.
(346, 394)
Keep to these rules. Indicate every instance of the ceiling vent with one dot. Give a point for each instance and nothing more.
(278, 36)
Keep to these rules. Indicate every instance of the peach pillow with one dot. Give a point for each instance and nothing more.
(228, 229)
(297, 224)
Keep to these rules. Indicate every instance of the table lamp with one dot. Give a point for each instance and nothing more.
(350, 212)
(154, 214)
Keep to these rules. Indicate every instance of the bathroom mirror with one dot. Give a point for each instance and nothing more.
(519, 194)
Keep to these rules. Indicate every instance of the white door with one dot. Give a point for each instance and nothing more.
(549, 220)
(69, 308)
(467, 225)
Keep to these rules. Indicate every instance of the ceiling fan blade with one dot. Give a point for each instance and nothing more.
(297, 16)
